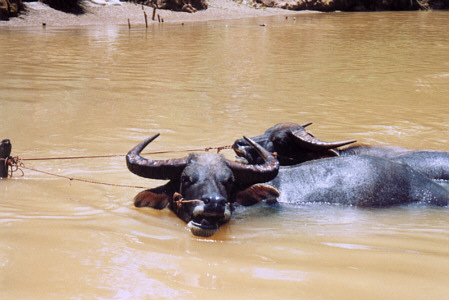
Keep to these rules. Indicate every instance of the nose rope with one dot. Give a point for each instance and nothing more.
(179, 200)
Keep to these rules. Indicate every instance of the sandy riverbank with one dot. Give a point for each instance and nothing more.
(38, 13)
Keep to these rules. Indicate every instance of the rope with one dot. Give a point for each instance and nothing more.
(17, 164)
(207, 149)
(178, 200)
(85, 180)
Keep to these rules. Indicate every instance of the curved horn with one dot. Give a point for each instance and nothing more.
(310, 142)
(155, 169)
(252, 174)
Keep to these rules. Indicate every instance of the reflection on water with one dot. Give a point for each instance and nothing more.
(382, 78)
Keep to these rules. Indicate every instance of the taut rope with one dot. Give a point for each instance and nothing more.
(16, 164)
(207, 149)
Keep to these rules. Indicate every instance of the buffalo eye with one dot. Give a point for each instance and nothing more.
(277, 140)
(229, 182)
(186, 181)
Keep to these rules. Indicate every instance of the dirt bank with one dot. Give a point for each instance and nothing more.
(357, 5)
(38, 13)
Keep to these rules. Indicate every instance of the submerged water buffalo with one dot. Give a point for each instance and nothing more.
(293, 145)
(203, 187)
(358, 180)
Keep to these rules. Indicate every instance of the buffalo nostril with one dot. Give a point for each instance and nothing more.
(215, 201)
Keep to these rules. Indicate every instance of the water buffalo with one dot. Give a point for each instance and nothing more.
(203, 187)
(294, 145)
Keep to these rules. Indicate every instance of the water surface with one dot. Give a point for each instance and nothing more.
(381, 78)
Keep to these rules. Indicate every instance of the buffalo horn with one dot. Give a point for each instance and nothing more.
(310, 142)
(252, 174)
(154, 169)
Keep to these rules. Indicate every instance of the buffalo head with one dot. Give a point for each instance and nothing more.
(202, 188)
(291, 143)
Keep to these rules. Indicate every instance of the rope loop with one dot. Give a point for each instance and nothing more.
(15, 163)
(178, 200)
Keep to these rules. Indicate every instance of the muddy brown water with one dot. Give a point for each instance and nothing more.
(382, 78)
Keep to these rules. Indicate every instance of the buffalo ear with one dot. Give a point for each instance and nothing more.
(150, 199)
(157, 198)
(256, 193)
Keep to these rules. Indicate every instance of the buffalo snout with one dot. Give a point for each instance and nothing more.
(208, 214)
(214, 205)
